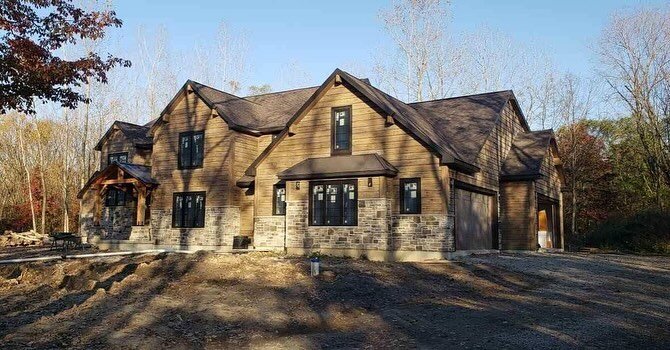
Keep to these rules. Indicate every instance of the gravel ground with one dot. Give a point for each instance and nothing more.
(513, 301)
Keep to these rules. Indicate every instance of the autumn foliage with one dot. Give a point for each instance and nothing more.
(32, 32)
(615, 190)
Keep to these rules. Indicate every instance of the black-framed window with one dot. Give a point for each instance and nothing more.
(121, 157)
(341, 130)
(191, 149)
(333, 203)
(410, 196)
(115, 198)
(188, 209)
(279, 199)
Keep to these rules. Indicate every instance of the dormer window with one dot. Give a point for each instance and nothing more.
(341, 130)
(117, 157)
(191, 149)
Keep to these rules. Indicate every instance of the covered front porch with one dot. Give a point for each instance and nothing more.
(115, 204)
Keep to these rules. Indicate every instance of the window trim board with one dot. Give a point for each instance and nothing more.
(310, 204)
(116, 197)
(109, 156)
(204, 208)
(179, 152)
(401, 190)
(274, 198)
(333, 150)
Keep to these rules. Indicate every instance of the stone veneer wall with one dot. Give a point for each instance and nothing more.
(115, 223)
(377, 229)
(87, 229)
(372, 232)
(221, 225)
(269, 231)
(427, 232)
(140, 234)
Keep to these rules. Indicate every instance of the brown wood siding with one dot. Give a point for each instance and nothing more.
(550, 182)
(509, 127)
(518, 210)
(369, 135)
(117, 142)
(215, 177)
(246, 150)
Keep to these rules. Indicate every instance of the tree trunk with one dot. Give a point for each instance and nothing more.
(43, 183)
(66, 171)
(27, 170)
(84, 159)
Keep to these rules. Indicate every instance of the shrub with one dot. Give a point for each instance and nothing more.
(644, 232)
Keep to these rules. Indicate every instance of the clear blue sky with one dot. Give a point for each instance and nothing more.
(323, 35)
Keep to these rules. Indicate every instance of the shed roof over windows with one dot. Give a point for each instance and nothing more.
(340, 167)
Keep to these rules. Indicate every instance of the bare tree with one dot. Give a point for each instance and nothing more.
(40, 140)
(66, 171)
(222, 61)
(294, 75)
(259, 89)
(156, 73)
(26, 166)
(429, 62)
(418, 30)
(634, 49)
(575, 103)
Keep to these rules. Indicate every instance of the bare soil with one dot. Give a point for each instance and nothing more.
(258, 300)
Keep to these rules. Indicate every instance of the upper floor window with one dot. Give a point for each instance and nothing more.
(341, 130)
(188, 209)
(334, 203)
(117, 157)
(115, 198)
(191, 149)
(410, 196)
(279, 199)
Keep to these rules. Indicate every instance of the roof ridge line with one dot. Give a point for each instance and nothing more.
(223, 92)
(461, 96)
(283, 91)
(125, 122)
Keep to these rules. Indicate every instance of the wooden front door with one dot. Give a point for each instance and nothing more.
(473, 221)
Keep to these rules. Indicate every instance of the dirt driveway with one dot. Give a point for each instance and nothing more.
(267, 301)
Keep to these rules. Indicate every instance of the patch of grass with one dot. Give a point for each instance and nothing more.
(644, 232)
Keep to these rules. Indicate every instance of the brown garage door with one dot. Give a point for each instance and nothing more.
(473, 221)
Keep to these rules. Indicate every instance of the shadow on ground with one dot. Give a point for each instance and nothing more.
(266, 301)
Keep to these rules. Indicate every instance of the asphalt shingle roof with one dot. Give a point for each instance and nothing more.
(456, 128)
(464, 122)
(138, 134)
(139, 172)
(257, 112)
(527, 153)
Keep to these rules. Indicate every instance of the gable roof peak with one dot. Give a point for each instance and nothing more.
(136, 133)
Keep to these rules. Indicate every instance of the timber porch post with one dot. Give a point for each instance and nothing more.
(141, 204)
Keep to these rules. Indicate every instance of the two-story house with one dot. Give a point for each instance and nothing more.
(341, 168)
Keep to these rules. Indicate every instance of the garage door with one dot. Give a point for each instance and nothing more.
(473, 221)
